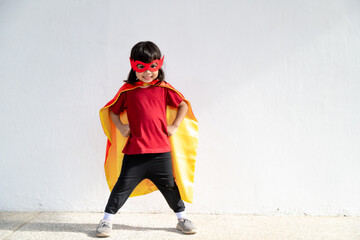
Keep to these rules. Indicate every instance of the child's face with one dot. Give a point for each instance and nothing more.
(147, 76)
(146, 72)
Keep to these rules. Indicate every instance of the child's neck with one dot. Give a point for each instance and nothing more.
(145, 85)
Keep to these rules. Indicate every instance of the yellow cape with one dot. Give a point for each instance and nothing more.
(183, 144)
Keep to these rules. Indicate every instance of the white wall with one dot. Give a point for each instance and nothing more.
(274, 84)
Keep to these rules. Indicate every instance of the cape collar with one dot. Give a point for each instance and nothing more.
(142, 84)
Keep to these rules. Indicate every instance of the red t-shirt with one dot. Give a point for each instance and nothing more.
(146, 112)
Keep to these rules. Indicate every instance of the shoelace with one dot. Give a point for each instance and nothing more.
(185, 220)
(104, 223)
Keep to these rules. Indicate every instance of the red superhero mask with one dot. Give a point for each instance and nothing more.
(139, 66)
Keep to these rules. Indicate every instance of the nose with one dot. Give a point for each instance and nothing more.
(147, 71)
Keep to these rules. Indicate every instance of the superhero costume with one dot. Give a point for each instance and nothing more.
(183, 145)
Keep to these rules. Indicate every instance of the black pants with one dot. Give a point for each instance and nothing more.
(156, 167)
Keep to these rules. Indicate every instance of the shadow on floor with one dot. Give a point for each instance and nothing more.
(88, 229)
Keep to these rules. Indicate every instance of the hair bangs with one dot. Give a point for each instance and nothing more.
(145, 52)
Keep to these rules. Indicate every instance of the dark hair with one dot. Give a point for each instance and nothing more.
(145, 52)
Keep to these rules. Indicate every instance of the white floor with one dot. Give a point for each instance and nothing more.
(60, 225)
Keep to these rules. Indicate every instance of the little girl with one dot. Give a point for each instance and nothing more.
(152, 140)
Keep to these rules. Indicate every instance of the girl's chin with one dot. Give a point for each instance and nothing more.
(146, 79)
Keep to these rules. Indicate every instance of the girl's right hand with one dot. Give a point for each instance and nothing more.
(124, 130)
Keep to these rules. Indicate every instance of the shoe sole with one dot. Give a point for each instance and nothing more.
(186, 232)
(103, 235)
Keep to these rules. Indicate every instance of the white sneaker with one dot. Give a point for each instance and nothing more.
(104, 228)
(186, 226)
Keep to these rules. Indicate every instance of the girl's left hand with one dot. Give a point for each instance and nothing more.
(171, 130)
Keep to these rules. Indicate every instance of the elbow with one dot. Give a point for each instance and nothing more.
(183, 106)
(111, 113)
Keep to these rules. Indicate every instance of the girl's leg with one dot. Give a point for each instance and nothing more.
(161, 174)
(131, 175)
(162, 177)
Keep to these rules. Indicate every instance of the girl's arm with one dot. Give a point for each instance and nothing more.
(182, 110)
(123, 128)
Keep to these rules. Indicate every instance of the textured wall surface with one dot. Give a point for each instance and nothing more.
(275, 86)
